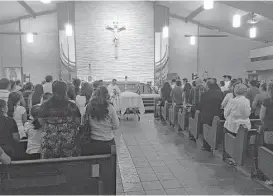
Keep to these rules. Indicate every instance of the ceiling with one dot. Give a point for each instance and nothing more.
(12, 10)
(220, 17)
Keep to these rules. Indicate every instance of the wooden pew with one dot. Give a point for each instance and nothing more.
(172, 114)
(194, 125)
(181, 119)
(157, 108)
(92, 175)
(236, 147)
(165, 110)
(210, 133)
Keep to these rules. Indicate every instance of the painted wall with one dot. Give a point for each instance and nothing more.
(41, 58)
(9, 47)
(94, 44)
(218, 56)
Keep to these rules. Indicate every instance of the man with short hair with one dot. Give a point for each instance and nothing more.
(227, 80)
(252, 91)
(4, 89)
(48, 84)
(185, 81)
(173, 83)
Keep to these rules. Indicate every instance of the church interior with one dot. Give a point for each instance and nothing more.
(134, 48)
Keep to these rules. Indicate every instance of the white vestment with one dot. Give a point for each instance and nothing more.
(114, 92)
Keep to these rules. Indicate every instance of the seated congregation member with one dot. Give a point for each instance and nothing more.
(252, 91)
(266, 115)
(36, 96)
(176, 93)
(77, 84)
(165, 93)
(60, 120)
(103, 120)
(71, 95)
(258, 101)
(28, 90)
(4, 89)
(4, 158)
(238, 110)
(33, 130)
(47, 86)
(13, 89)
(17, 112)
(8, 130)
(228, 95)
(83, 98)
(210, 106)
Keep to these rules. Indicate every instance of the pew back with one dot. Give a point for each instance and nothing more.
(265, 161)
(165, 110)
(72, 175)
(194, 124)
(210, 132)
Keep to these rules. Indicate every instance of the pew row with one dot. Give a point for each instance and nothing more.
(157, 108)
(165, 110)
(194, 125)
(236, 147)
(171, 114)
(92, 175)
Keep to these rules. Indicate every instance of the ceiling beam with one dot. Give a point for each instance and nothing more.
(3, 22)
(194, 13)
(214, 28)
(27, 8)
(257, 7)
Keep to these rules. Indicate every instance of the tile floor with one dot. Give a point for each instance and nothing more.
(154, 159)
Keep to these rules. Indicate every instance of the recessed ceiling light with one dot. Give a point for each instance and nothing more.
(46, 1)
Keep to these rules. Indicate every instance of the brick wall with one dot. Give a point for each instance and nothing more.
(94, 44)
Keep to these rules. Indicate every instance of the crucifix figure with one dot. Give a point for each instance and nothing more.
(116, 31)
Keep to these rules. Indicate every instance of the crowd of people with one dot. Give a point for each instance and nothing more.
(57, 119)
(233, 100)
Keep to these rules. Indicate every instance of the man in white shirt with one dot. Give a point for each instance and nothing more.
(227, 80)
(48, 85)
(114, 92)
(4, 89)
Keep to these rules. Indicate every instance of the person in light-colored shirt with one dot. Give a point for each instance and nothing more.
(83, 98)
(48, 85)
(238, 110)
(4, 89)
(114, 92)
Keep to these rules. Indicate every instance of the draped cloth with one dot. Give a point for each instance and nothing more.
(131, 100)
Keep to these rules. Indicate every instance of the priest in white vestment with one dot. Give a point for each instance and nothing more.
(114, 92)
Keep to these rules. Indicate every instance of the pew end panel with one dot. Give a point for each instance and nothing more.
(265, 162)
(210, 133)
(179, 118)
(194, 125)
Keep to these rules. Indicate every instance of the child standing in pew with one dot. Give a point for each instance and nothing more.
(33, 130)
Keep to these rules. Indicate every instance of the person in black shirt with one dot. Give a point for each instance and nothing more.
(8, 130)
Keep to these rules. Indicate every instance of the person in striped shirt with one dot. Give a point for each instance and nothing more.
(4, 89)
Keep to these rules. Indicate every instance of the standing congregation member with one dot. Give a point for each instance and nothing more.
(103, 120)
(8, 130)
(252, 91)
(60, 120)
(266, 115)
(258, 101)
(71, 95)
(173, 83)
(165, 93)
(4, 89)
(77, 84)
(28, 90)
(227, 79)
(229, 94)
(114, 92)
(17, 112)
(13, 89)
(209, 106)
(18, 85)
(238, 110)
(176, 93)
(83, 98)
(222, 86)
(48, 84)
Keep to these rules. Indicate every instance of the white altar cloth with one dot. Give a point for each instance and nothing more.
(131, 100)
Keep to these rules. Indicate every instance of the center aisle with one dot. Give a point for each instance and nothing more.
(156, 160)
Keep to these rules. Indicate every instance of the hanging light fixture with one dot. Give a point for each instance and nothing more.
(236, 21)
(30, 37)
(208, 4)
(46, 1)
(192, 40)
(68, 30)
(252, 32)
(165, 32)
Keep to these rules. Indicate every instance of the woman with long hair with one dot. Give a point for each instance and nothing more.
(8, 129)
(103, 120)
(28, 90)
(266, 115)
(165, 93)
(83, 98)
(17, 112)
(60, 120)
(36, 96)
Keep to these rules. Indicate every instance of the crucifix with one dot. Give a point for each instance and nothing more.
(116, 31)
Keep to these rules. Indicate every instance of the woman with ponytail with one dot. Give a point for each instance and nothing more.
(17, 112)
(266, 115)
(60, 120)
